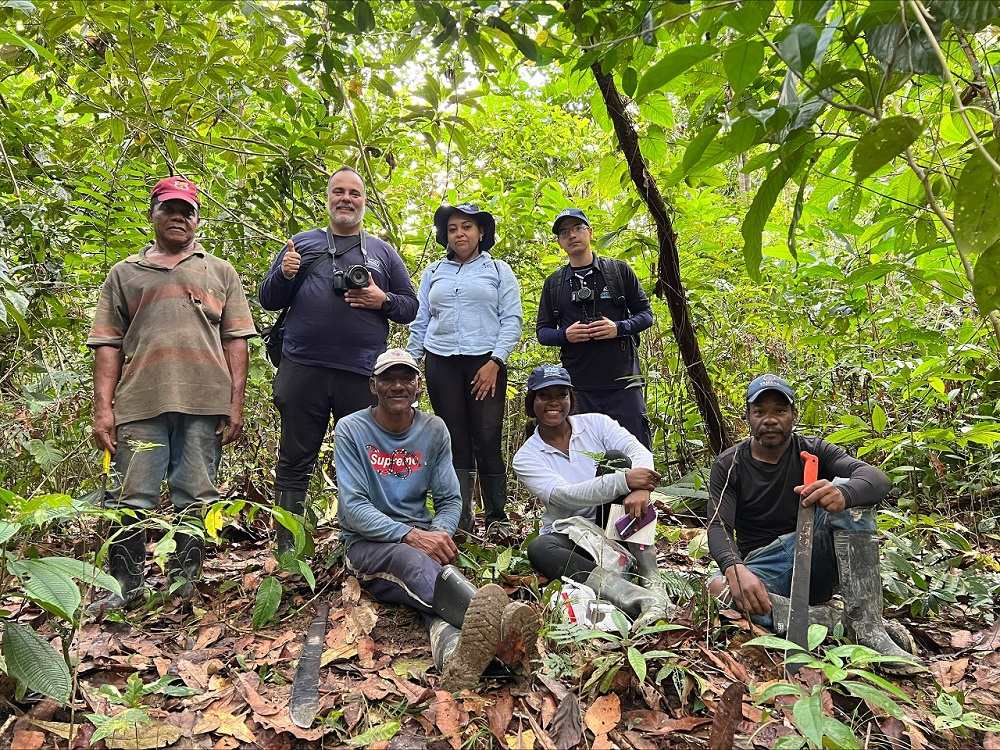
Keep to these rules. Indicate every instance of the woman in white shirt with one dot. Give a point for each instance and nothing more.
(560, 464)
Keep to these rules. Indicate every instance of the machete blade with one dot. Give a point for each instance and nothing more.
(304, 702)
(798, 610)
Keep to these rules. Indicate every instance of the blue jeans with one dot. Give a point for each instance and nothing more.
(182, 447)
(772, 564)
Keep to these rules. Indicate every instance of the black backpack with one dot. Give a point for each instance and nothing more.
(611, 271)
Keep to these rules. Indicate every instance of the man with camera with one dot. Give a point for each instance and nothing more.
(593, 309)
(341, 286)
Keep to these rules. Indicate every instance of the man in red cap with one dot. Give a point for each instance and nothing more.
(170, 369)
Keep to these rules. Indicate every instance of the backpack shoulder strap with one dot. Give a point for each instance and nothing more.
(612, 272)
(553, 284)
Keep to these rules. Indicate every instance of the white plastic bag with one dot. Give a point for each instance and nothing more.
(580, 605)
(587, 535)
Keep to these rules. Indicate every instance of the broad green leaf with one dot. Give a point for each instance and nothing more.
(971, 15)
(749, 16)
(839, 733)
(46, 455)
(883, 143)
(638, 662)
(34, 663)
(698, 145)
(381, 733)
(742, 63)
(756, 218)
(80, 570)
(879, 420)
(657, 109)
(986, 281)
(7, 530)
(977, 202)
(267, 602)
(671, 66)
(808, 714)
(9, 37)
(948, 705)
(874, 696)
(816, 635)
(51, 589)
(798, 46)
(907, 47)
(630, 78)
(364, 19)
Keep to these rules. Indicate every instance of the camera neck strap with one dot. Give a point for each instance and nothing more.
(337, 250)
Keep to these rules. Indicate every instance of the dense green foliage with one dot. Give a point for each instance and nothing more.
(828, 194)
(830, 168)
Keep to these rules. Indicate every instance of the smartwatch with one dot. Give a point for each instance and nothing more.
(499, 362)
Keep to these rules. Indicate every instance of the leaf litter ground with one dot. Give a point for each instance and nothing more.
(231, 685)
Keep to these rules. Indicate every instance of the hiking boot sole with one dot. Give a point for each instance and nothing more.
(477, 644)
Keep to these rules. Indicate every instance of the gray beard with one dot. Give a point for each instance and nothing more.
(343, 222)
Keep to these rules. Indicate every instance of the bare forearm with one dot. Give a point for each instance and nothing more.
(237, 355)
(108, 361)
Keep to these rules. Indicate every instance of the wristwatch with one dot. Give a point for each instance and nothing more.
(499, 362)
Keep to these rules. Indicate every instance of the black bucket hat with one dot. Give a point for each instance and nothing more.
(484, 219)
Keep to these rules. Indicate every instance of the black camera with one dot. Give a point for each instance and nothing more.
(355, 277)
(581, 295)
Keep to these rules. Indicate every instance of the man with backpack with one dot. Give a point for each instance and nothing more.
(593, 309)
(341, 286)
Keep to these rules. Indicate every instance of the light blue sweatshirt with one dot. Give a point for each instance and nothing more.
(383, 478)
(467, 308)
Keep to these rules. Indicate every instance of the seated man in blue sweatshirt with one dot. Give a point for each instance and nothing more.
(388, 458)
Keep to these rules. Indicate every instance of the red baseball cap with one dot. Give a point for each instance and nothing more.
(177, 188)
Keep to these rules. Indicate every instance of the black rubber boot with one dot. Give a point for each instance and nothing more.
(642, 606)
(494, 489)
(466, 485)
(126, 561)
(185, 565)
(294, 502)
(861, 587)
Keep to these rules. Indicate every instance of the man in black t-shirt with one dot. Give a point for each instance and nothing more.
(755, 493)
(593, 309)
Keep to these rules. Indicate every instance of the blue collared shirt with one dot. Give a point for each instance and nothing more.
(467, 308)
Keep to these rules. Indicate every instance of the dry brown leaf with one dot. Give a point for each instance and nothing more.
(366, 652)
(604, 714)
(282, 723)
(948, 673)
(247, 689)
(28, 739)
(991, 741)
(499, 714)
(961, 640)
(566, 727)
(548, 708)
(146, 737)
(988, 640)
(638, 742)
(375, 688)
(449, 718)
(207, 636)
(352, 591)
(601, 742)
(727, 717)
(360, 621)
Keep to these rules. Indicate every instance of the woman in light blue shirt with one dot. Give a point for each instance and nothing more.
(468, 323)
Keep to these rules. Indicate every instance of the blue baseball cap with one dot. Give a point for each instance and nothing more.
(569, 213)
(769, 382)
(545, 375)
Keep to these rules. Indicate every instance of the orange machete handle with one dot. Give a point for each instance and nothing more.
(811, 471)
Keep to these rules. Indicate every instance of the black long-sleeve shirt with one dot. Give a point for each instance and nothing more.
(322, 329)
(757, 500)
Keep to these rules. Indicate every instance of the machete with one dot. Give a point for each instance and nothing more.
(798, 610)
(304, 702)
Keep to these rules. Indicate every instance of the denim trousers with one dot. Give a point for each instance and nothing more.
(772, 564)
(182, 447)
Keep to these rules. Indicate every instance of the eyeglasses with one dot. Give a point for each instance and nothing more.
(578, 229)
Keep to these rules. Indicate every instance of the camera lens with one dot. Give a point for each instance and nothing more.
(584, 293)
(357, 277)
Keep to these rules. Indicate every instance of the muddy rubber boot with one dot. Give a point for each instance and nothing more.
(466, 485)
(462, 655)
(294, 502)
(647, 573)
(494, 489)
(861, 587)
(818, 615)
(523, 619)
(126, 561)
(642, 606)
(185, 565)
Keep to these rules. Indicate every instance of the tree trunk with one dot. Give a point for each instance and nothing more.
(668, 274)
